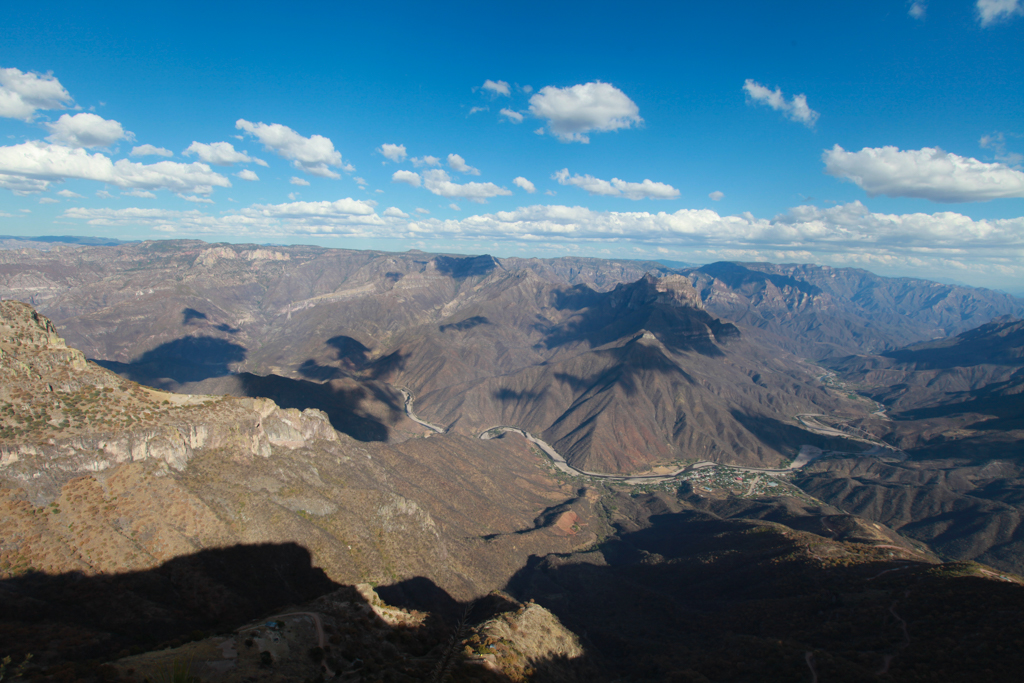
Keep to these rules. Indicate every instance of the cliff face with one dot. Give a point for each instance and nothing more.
(99, 474)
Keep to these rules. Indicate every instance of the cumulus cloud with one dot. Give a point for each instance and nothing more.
(423, 211)
(796, 109)
(496, 87)
(717, 195)
(427, 160)
(475, 110)
(513, 116)
(144, 194)
(86, 130)
(917, 9)
(454, 207)
(994, 11)
(573, 112)
(457, 163)
(298, 181)
(344, 217)
(32, 166)
(195, 199)
(361, 182)
(408, 177)
(648, 189)
(220, 154)
(997, 143)
(48, 200)
(394, 152)
(314, 155)
(928, 173)
(246, 174)
(69, 194)
(103, 194)
(438, 182)
(395, 212)
(150, 151)
(525, 184)
(24, 93)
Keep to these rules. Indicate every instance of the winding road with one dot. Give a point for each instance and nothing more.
(807, 453)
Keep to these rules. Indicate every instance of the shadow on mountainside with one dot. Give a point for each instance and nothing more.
(76, 626)
(74, 617)
(188, 359)
(342, 403)
(741, 278)
(696, 598)
(461, 268)
(602, 318)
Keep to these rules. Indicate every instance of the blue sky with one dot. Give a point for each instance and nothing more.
(882, 135)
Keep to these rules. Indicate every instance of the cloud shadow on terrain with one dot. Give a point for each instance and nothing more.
(188, 359)
(737, 276)
(341, 404)
(461, 268)
(787, 438)
(603, 318)
(463, 325)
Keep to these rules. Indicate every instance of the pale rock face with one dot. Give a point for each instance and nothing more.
(34, 358)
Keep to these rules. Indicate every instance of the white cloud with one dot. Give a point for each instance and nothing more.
(37, 164)
(997, 143)
(573, 112)
(427, 160)
(475, 110)
(527, 89)
(48, 200)
(918, 9)
(394, 212)
(314, 155)
(717, 195)
(513, 116)
(408, 177)
(86, 130)
(69, 194)
(525, 184)
(928, 173)
(298, 181)
(361, 182)
(454, 207)
(648, 189)
(849, 234)
(438, 182)
(496, 87)
(151, 150)
(551, 193)
(796, 109)
(394, 152)
(194, 199)
(994, 11)
(23, 93)
(220, 154)
(293, 196)
(144, 194)
(457, 163)
(103, 194)
(246, 174)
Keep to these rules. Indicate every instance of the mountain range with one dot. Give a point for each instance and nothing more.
(318, 412)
